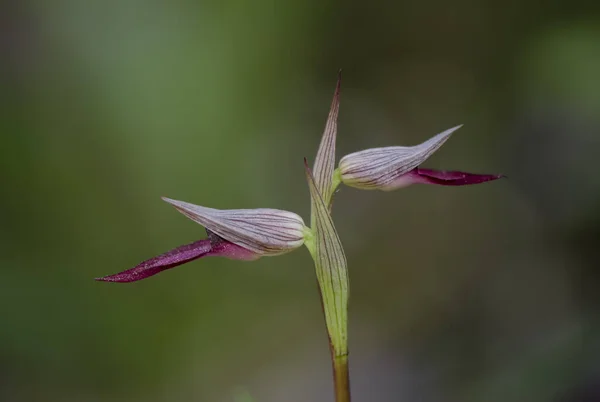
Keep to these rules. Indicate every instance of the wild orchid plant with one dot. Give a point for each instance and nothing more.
(247, 234)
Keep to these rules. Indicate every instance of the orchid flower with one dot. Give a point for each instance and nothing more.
(238, 234)
(247, 234)
(391, 168)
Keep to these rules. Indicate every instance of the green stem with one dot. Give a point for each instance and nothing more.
(341, 378)
(336, 180)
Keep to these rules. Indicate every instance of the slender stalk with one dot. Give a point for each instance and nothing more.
(326, 249)
(339, 364)
(341, 378)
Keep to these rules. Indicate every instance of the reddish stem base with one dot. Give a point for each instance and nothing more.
(341, 378)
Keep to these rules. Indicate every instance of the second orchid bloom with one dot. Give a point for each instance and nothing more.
(391, 168)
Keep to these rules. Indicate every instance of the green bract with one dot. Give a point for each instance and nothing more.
(331, 268)
(324, 244)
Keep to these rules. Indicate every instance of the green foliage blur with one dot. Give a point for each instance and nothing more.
(482, 293)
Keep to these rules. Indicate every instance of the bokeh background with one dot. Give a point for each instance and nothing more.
(482, 293)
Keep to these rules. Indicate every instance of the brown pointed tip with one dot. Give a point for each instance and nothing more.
(308, 170)
(336, 93)
(169, 201)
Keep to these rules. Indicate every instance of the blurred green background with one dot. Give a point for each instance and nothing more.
(482, 293)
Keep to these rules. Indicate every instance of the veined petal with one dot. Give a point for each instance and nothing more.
(377, 168)
(325, 160)
(213, 246)
(331, 269)
(263, 231)
(443, 178)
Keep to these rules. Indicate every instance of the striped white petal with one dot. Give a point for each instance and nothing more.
(263, 231)
(378, 168)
